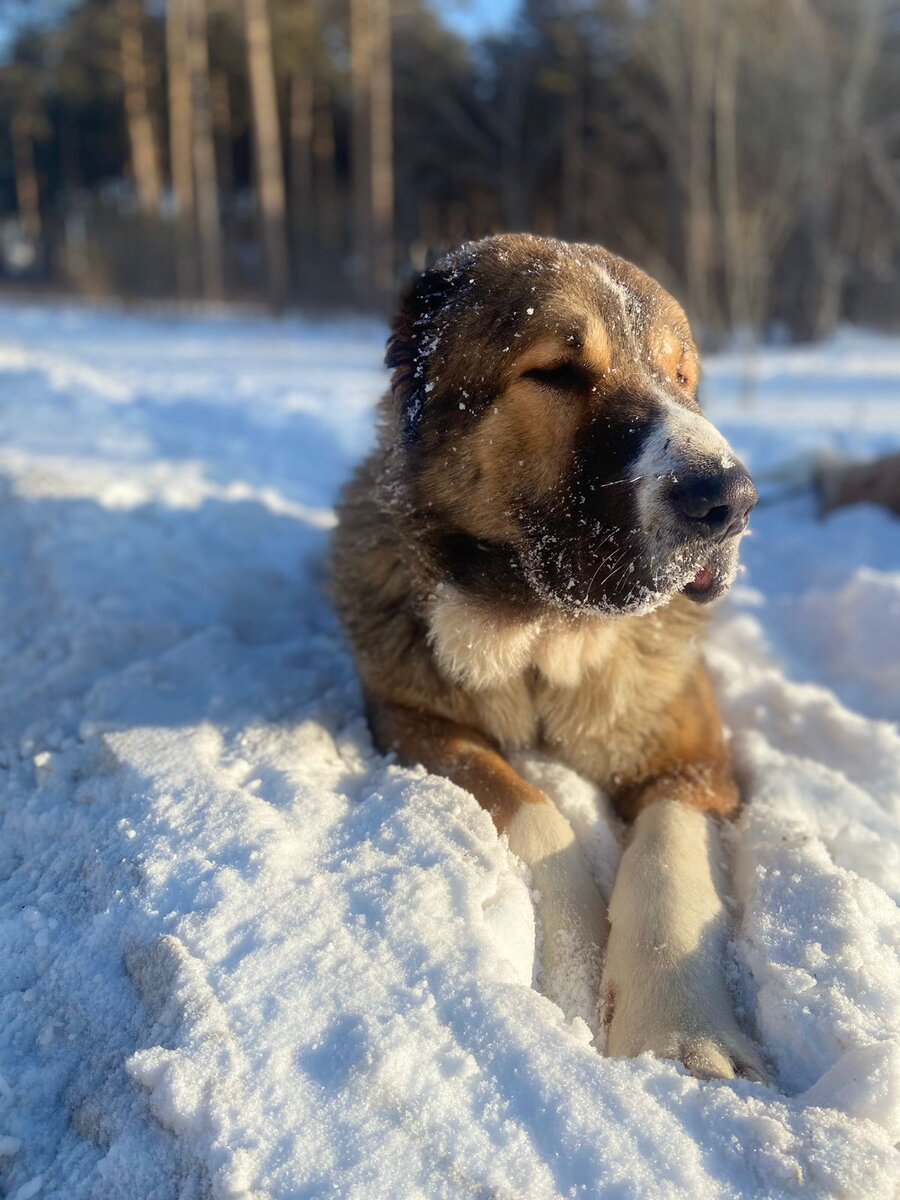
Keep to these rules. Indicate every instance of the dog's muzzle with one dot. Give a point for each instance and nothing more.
(713, 504)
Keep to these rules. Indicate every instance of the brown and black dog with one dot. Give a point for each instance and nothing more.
(523, 563)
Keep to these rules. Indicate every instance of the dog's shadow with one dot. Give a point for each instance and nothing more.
(89, 591)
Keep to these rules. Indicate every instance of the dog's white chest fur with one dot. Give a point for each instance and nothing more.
(478, 651)
(570, 683)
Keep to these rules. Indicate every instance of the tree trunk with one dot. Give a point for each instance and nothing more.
(866, 45)
(301, 191)
(303, 215)
(698, 217)
(734, 263)
(70, 154)
(361, 143)
(267, 142)
(327, 222)
(512, 165)
(204, 154)
(141, 135)
(221, 116)
(181, 154)
(382, 149)
(572, 151)
(28, 194)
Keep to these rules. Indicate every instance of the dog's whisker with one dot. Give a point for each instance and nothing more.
(615, 482)
(603, 562)
(619, 560)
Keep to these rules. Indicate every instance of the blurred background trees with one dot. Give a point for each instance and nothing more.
(315, 152)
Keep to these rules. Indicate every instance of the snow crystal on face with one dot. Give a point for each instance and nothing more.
(246, 956)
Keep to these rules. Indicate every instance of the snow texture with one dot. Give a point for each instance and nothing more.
(244, 956)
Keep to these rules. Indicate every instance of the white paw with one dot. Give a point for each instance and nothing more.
(664, 978)
(670, 1023)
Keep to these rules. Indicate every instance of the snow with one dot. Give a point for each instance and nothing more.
(246, 957)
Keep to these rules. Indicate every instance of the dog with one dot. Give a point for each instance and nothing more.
(524, 562)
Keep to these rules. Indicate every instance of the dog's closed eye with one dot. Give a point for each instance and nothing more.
(562, 377)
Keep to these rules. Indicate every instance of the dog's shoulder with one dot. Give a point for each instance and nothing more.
(383, 587)
(373, 572)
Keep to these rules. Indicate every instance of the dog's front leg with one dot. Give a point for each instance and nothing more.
(571, 912)
(664, 980)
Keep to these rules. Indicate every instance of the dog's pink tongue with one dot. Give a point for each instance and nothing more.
(702, 580)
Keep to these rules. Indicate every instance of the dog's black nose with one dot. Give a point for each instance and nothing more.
(715, 504)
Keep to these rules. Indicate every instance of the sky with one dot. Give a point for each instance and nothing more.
(473, 18)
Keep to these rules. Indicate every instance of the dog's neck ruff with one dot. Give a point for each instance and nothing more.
(477, 648)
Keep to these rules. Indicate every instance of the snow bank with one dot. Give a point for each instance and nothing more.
(244, 956)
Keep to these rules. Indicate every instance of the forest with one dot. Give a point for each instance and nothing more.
(314, 153)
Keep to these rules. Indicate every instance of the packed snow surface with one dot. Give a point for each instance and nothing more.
(244, 956)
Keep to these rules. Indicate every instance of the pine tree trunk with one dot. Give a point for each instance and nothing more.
(867, 42)
(181, 155)
(221, 116)
(734, 264)
(141, 135)
(327, 220)
(204, 154)
(698, 206)
(572, 150)
(302, 203)
(382, 149)
(360, 141)
(512, 148)
(28, 194)
(267, 141)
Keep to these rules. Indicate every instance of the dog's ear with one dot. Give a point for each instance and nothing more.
(412, 339)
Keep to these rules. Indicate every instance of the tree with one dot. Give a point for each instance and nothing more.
(361, 141)
(206, 186)
(28, 193)
(141, 134)
(372, 145)
(746, 152)
(382, 153)
(181, 154)
(267, 142)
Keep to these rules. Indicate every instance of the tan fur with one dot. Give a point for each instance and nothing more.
(519, 449)
(456, 680)
(663, 973)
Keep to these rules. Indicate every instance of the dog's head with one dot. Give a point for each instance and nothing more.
(551, 437)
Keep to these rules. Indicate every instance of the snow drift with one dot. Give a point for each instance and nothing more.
(244, 956)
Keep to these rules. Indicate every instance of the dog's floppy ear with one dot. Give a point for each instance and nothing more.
(413, 337)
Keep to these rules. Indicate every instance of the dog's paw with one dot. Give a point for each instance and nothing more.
(711, 1046)
(728, 1056)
